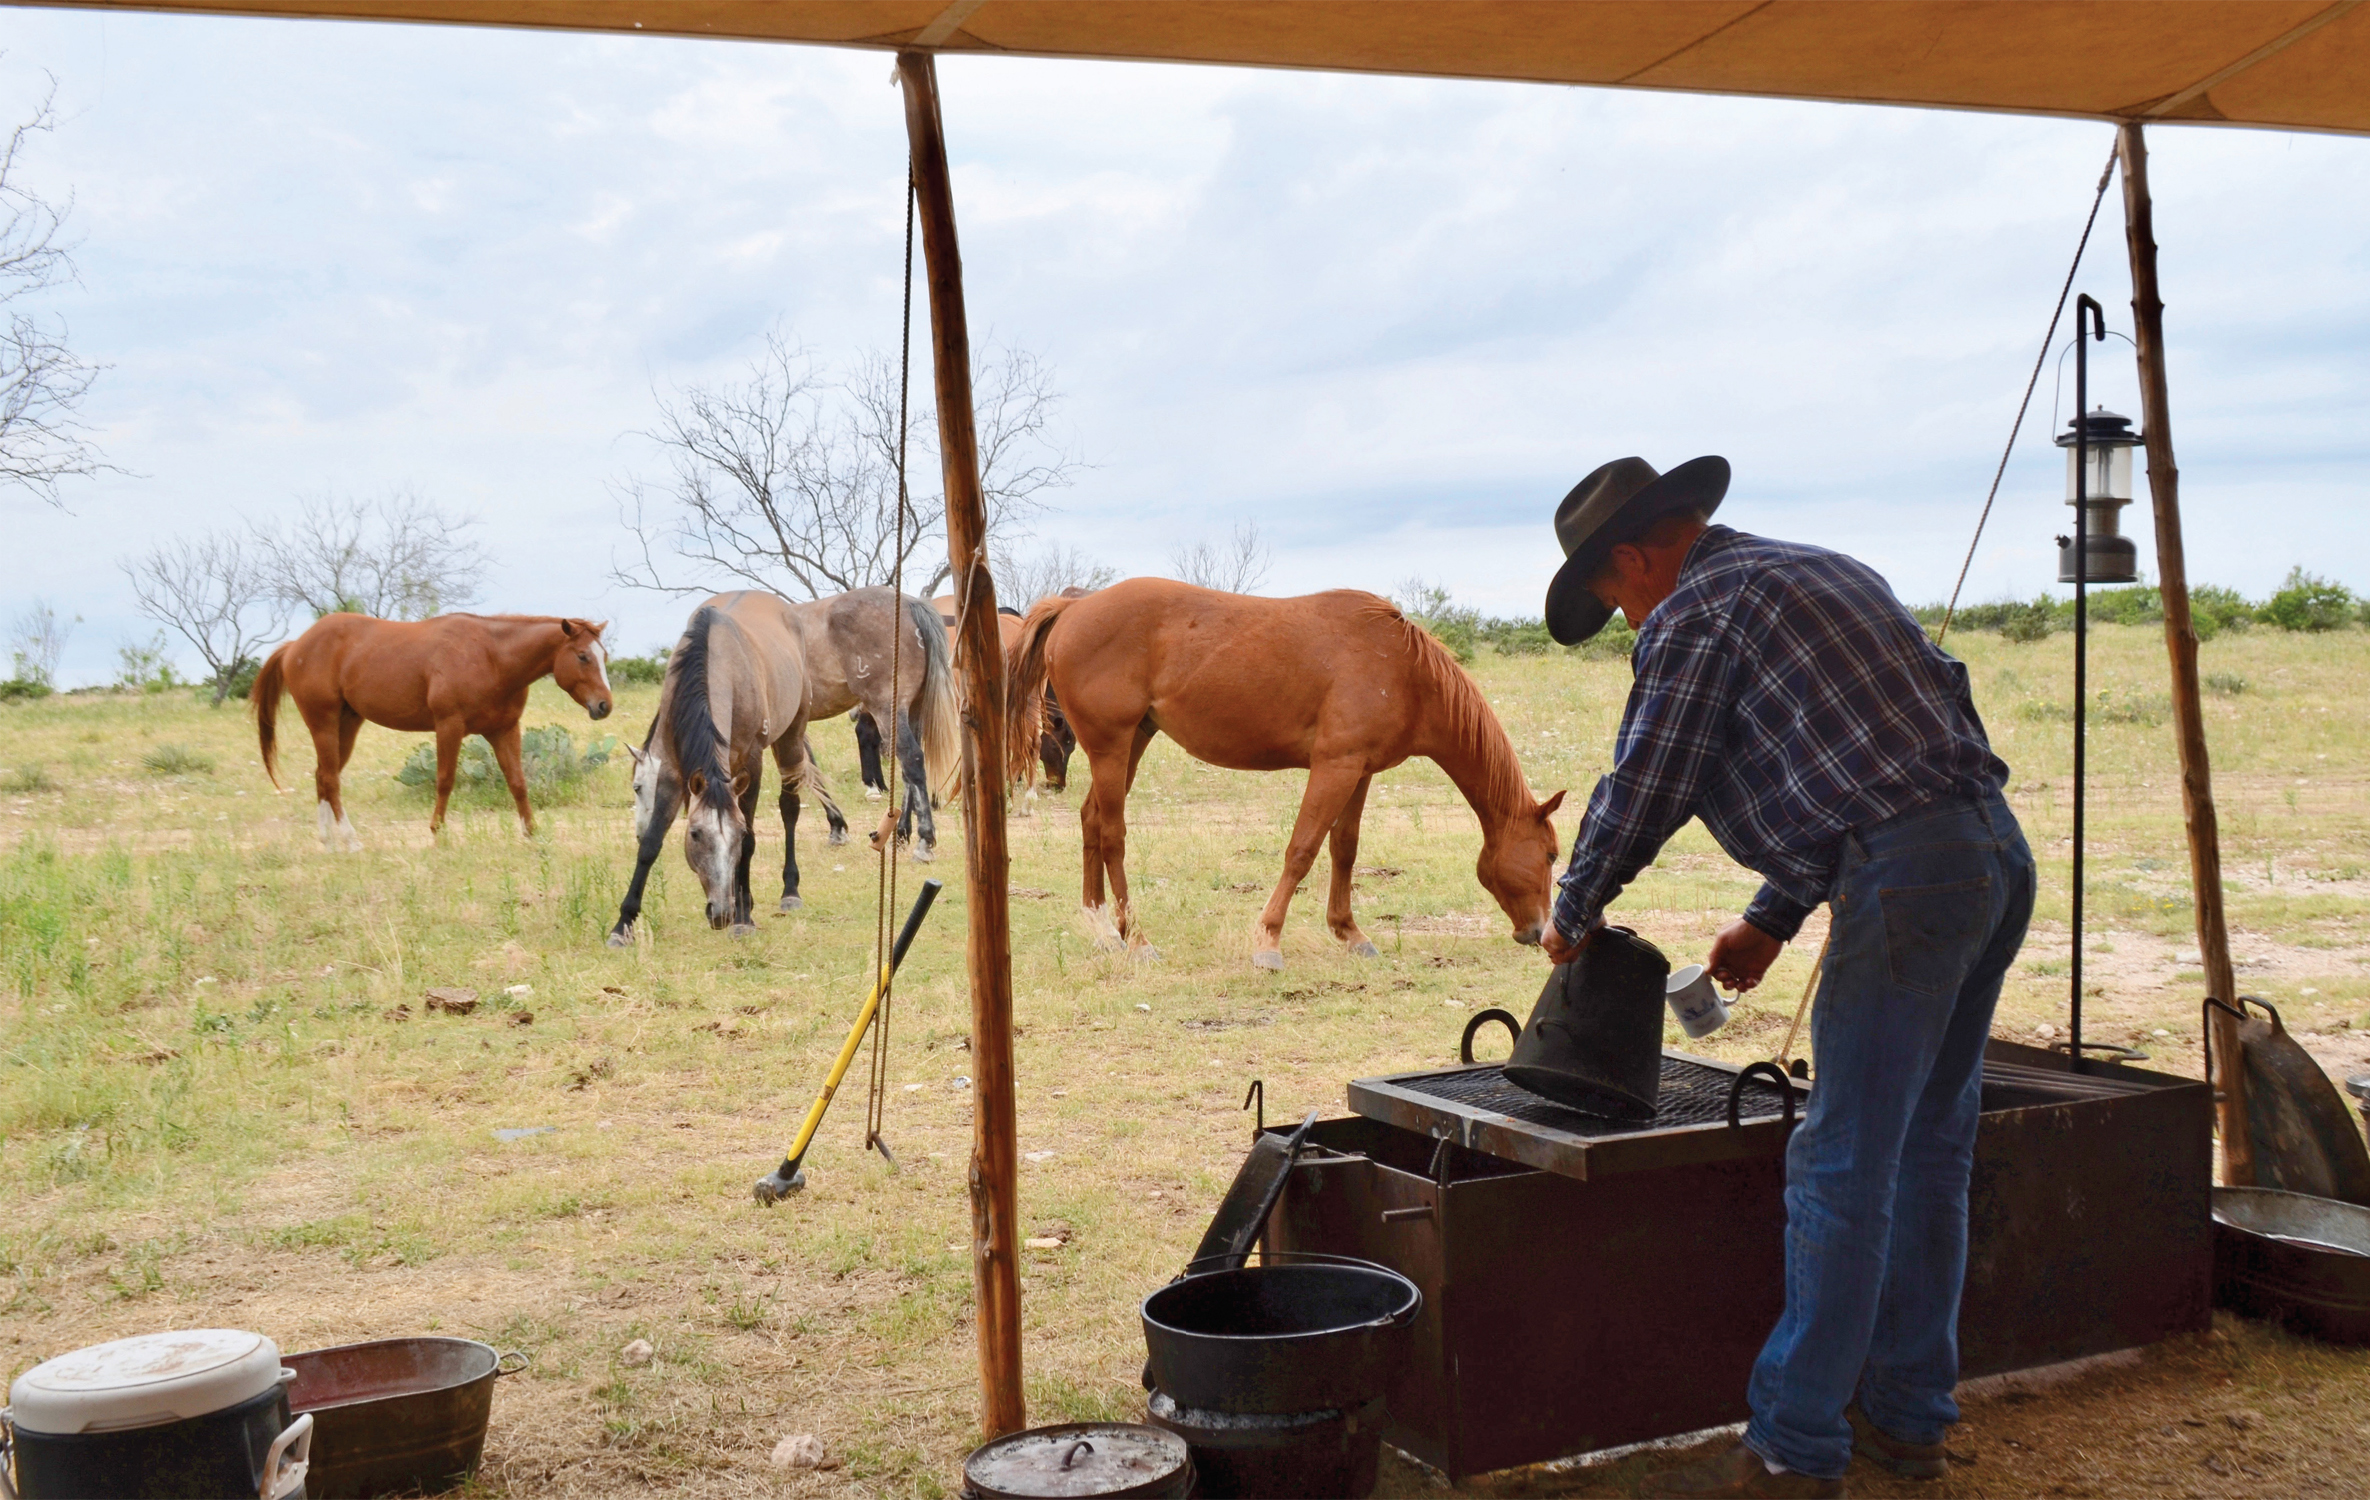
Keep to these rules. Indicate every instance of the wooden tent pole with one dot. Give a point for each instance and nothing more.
(995, 1148)
(2180, 639)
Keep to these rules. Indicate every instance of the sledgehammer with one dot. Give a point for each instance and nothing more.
(786, 1179)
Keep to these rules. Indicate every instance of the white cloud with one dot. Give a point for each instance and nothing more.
(1391, 320)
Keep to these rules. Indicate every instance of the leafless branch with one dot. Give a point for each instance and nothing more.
(37, 641)
(218, 591)
(400, 557)
(42, 382)
(1022, 581)
(788, 479)
(1236, 567)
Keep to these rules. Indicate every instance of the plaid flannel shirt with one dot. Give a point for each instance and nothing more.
(1784, 695)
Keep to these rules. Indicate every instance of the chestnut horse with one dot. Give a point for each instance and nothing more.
(455, 675)
(1340, 683)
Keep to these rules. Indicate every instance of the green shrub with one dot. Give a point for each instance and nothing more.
(2134, 604)
(638, 670)
(2214, 609)
(2024, 623)
(1518, 637)
(28, 779)
(241, 677)
(22, 689)
(2306, 602)
(1616, 640)
(178, 760)
(549, 754)
(146, 668)
(2224, 684)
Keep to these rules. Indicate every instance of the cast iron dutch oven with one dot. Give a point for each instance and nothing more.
(1302, 1333)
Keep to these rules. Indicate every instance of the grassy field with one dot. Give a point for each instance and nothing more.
(222, 1100)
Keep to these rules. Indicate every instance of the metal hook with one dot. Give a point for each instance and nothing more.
(1258, 1091)
(1071, 1457)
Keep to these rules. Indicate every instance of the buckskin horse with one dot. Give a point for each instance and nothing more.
(455, 675)
(1340, 683)
(751, 671)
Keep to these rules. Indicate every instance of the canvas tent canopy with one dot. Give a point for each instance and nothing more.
(2285, 64)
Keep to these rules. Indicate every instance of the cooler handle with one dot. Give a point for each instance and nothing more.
(7, 1451)
(279, 1480)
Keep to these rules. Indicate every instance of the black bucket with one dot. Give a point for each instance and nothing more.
(220, 1454)
(1594, 1042)
(1303, 1333)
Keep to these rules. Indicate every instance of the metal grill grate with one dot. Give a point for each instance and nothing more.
(1692, 1094)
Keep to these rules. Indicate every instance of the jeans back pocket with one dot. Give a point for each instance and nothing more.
(1934, 933)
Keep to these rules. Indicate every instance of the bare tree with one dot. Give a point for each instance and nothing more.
(791, 475)
(1022, 581)
(219, 592)
(42, 382)
(1238, 567)
(400, 557)
(37, 641)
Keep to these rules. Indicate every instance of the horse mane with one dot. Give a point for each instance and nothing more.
(691, 728)
(1491, 776)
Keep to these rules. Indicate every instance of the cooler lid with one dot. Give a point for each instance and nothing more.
(145, 1381)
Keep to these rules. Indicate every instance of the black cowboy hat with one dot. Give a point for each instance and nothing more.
(1612, 506)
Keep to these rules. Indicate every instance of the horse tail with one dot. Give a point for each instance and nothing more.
(811, 782)
(940, 716)
(264, 697)
(1024, 677)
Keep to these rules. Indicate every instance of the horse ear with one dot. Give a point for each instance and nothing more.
(568, 629)
(740, 785)
(638, 753)
(696, 784)
(597, 629)
(1548, 807)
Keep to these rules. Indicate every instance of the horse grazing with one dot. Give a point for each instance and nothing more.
(1340, 683)
(751, 671)
(456, 675)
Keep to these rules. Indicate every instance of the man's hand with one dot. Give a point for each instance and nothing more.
(1561, 949)
(1740, 955)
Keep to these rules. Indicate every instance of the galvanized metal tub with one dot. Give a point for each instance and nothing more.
(2299, 1260)
(397, 1415)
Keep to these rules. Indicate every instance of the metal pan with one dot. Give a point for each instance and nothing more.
(396, 1415)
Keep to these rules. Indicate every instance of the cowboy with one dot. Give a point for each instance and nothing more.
(1784, 696)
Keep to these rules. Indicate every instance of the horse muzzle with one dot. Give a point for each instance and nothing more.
(1529, 936)
(598, 710)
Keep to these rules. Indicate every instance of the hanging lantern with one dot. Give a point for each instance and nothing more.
(2101, 495)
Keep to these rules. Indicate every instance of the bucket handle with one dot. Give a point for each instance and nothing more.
(1766, 1070)
(282, 1479)
(502, 1365)
(1481, 1019)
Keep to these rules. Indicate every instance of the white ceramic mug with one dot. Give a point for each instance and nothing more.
(1693, 999)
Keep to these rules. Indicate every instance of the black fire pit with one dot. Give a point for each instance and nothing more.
(1589, 1283)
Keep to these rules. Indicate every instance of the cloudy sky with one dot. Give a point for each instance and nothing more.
(1388, 321)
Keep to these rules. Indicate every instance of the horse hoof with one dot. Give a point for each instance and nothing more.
(791, 903)
(621, 937)
(740, 929)
(1364, 949)
(872, 794)
(1146, 953)
(839, 836)
(1271, 959)
(924, 853)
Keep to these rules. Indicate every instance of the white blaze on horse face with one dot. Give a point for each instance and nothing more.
(600, 656)
(712, 843)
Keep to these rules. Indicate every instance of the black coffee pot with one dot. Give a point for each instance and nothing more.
(1594, 1042)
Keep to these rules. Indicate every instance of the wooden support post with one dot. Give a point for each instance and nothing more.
(2180, 639)
(995, 1148)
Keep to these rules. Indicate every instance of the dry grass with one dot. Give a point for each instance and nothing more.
(208, 1115)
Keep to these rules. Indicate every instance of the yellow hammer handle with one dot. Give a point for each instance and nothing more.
(839, 1068)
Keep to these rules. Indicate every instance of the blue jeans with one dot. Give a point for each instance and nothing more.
(1928, 910)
